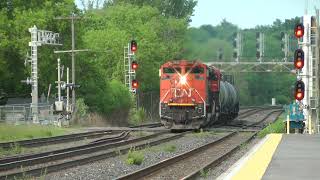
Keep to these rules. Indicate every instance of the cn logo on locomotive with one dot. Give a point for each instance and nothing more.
(178, 93)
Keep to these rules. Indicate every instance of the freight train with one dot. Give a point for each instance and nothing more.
(195, 95)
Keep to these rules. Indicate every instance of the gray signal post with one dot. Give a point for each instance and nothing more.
(237, 46)
(128, 72)
(38, 38)
(285, 45)
(260, 46)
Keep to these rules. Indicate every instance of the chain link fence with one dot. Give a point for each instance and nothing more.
(21, 114)
(150, 102)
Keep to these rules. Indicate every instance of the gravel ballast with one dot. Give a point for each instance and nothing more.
(117, 166)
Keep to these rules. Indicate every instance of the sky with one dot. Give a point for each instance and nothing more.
(248, 13)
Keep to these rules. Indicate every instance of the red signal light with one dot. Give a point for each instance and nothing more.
(134, 84)
(299, 90)
(298, 64)
(299, 59)
(299, 30)
(133, 46)
(134, 65)
(299, 96)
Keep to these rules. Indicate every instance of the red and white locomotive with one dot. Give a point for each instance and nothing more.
(194, 95)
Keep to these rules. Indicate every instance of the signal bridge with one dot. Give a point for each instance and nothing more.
(261, 67)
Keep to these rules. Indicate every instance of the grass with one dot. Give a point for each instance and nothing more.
(277, 127)
(204, 173)
(21, 132)
(135, 157)
(170, 148)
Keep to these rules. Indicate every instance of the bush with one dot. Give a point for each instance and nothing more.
(138, 116)
(135, 157)
(82, 108)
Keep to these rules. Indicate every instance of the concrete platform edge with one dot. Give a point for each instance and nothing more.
(239, 164)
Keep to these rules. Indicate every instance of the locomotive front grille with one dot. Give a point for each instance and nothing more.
(181, 114)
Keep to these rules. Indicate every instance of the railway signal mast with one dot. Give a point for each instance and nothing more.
(38, 38)
(260, 46)
(237, 46)
(306, 62)
(130, 66)
(285, 46)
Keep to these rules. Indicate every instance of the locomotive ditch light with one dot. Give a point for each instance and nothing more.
(133, 46)
(134, 65)
(299, 59)
(299, 30)
(134, 84)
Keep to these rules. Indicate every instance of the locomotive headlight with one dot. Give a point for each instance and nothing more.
(183, 80)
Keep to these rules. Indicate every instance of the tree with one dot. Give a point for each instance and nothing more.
(176, 8)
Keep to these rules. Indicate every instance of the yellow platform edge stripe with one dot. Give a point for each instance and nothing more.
(257, 164)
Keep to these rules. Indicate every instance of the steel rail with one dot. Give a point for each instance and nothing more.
(54, 140)
(150, 169)
(53, 167)
(217, 161)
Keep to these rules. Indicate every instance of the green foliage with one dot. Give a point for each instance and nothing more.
(170, 8)
(276, 127)
(138, 116)
(134, 157)
(15, 37)
(158, 26)
(204, 173)
(13, 150)
(159, 38)
(170, 148)
(82, 108)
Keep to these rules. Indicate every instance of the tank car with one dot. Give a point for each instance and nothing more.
(195, 95)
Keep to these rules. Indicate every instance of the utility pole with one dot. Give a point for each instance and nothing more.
(73, 74)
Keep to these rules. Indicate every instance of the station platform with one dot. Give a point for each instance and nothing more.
(279, 156)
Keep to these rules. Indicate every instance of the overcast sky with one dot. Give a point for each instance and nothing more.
(247, 13)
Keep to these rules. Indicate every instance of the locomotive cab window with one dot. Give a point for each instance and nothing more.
(195, 70)
(170, 70)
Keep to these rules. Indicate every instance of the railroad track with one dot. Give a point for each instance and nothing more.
(179, 167)
(36, 164)
(149, 125)
(259, 123)
(252, 111)
(55, 140)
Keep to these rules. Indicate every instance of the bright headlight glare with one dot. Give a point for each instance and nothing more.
(183, 79)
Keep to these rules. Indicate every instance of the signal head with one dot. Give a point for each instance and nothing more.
(235, 54)
(299, 90)
(299, 30)
(134, 84)
(299, 59)
(133, 46)
(258, 54)
(134, 65)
